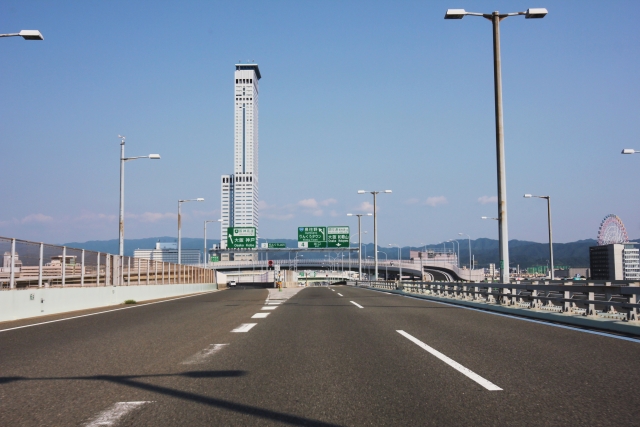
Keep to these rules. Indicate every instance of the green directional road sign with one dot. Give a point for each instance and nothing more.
(241, 238)
(338, 237)
(312, 237)
(214, 258)
(277, 245)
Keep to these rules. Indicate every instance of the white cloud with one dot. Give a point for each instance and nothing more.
(366, 206)
(277, 217)
(308, 203)
(436, 201)
(328, 202)
(36, 218)
(92, 216)
(153, 216)
(484, 200)
(317, 212)
(334, 214)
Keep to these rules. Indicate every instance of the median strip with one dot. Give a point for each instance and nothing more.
(455, 365)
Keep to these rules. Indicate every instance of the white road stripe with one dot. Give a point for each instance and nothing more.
(340, 294)
(269, 307)
(273, 303)
(101, 312)
(356, 304)
(260, 315)
(111, 416)
(245, 327)
(455, 365)
(203, 355)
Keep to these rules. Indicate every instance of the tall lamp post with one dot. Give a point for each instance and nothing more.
(463, 234)
(180, 202)
(359, 243)
(206, 262)
(399, 259)
(528, 196)
(458, 257)
(124, 159)
(375, 229)
(495, 18)
(386, 267)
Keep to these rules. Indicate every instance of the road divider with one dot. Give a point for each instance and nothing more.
(455, 365)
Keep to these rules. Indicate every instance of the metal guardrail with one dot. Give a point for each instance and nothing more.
(605, 300)
(27, 264)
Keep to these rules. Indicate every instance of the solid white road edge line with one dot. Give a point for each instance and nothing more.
(245, 327)
(539, 322)
(340, 294)
(101, 312)
(202, 355)
(260, 315)
(455, 365)
(112, 415)
(356, 304)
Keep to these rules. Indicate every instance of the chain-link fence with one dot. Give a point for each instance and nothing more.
(28, 264)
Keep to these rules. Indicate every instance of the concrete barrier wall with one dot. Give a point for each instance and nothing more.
(21, 304)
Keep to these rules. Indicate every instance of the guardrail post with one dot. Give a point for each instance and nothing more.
(163, 272)
(98, 271)
(591, 310)
(64, 265)
(107, 270)
(40, 264)
(12, 265)
(633, 299)
(128, 271)
(82, 269)
(147, 270)
(567, 295)
(155, 272)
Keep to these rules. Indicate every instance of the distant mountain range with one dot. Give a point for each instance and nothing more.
(485, 251)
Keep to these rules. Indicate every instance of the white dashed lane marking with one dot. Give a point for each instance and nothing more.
(455, 365)
(245, 327)
(203, 355)
(269, 307)
(111, 416)
(356, 304)
(340, 294)
(260, 315)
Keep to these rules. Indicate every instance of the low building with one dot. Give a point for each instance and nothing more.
(618, 261)
(168, 252)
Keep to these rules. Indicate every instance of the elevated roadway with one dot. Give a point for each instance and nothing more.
(338, 356)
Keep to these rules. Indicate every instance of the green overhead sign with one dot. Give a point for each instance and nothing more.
(214, 258)
(277, 245)
(338, 237)
(312, 237)
(241, 238)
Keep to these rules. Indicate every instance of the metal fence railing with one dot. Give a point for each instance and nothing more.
(606, 300)
(28, 264)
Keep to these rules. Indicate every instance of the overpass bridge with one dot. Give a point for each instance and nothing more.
(432, 270)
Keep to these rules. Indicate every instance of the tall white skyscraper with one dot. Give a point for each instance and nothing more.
(239, 201)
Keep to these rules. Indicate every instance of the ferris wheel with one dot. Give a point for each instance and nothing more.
(612, 231)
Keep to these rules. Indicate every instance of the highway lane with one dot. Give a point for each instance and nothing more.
(316, 359)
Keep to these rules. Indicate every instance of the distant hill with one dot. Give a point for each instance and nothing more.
(485, 251)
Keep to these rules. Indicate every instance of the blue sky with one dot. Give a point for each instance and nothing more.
(355, 95)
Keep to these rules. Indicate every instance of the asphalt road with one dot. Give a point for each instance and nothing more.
(326, 357)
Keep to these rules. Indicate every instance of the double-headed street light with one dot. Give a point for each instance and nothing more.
(206, 262)
(528, 196)
(124, 159)
(26, 34)
(359, 243)
(495, 18)
(375, 229)
(180, 202)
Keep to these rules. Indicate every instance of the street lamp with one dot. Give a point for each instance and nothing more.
(399, 259)
(630, 151)
(124, 159)
(359, 243)
(206, 263)
(180, 202)
(463, 234)
(26, 34)
(386, 267)
(495, 18)
(486, 217)
(528, 196)
(375, 229)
